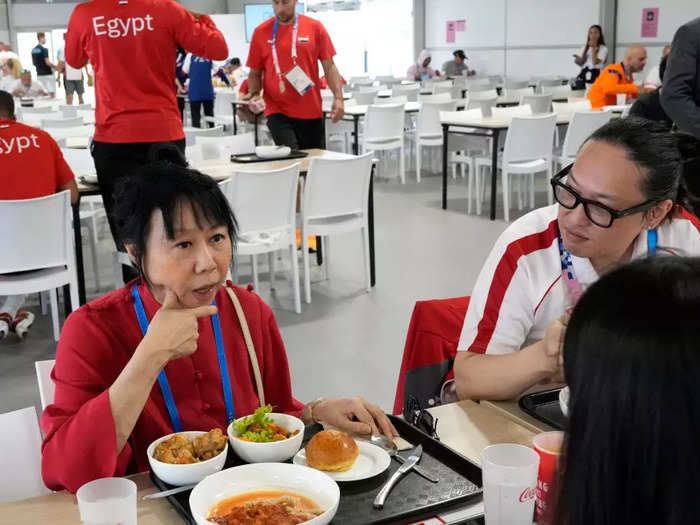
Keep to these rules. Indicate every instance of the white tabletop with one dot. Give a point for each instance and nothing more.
(73, 131)
(469, 121)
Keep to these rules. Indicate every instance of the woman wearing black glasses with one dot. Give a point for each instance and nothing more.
(624, 198)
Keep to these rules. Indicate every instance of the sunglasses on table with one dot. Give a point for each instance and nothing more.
(421, 418)
(597, 212)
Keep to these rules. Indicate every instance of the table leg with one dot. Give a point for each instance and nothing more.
(356, 131)
(79, 268)
(235, 122)
(445, 134)
(370, 228)
(256, 128)
(494, 171)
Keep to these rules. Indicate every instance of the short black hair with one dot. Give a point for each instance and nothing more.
(165, 185)
(235, 61)
(459, 53)
(40, 35)
(7, 105)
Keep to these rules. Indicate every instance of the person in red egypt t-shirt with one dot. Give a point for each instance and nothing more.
(32, 167)
(291, 85)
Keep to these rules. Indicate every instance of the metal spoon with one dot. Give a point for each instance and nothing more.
(390, 448)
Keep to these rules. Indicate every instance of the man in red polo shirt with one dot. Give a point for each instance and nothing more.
(131, 45)
(32, 166)
(283, 61)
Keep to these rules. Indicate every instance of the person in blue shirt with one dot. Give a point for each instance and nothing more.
(201, 89)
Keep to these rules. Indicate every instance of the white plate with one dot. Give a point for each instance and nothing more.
(272, 152)
(306, 481)
(371, 461)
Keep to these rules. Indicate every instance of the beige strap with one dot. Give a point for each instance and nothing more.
(249, 344)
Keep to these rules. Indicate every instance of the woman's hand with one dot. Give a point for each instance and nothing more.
(354, 414)
(173, 330)
(554, 346)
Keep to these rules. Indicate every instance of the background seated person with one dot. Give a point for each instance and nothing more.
(649, 106)
(421, 70)
(457, 67)
(621, 200)
(24, 86)
(618, 79)
(630, 352)
(32, 166)
(180, 232)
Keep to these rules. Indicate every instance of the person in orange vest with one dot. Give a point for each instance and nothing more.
(617, 79)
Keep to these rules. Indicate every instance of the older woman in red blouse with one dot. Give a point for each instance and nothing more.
(167, 351)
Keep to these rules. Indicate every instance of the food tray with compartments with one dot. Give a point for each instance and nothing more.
(545, 407)
(412, 499)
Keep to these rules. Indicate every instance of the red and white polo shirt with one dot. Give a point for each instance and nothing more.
(520, 291)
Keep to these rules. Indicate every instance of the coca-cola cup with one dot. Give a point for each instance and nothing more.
(509, 474)
(548, 447)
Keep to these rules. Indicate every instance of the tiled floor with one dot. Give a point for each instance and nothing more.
(346, 342)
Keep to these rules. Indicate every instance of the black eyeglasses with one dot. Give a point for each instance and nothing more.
(597, 212)
(421, 418)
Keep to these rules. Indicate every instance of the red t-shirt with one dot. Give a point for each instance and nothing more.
(31, 163)
(97, 342)
(131, 47)
(313, 44)
(243, 90)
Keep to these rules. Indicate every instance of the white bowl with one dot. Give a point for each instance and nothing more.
(266, 476)
(564, 395)
(251, 452)
(188, 473)
(272, 152)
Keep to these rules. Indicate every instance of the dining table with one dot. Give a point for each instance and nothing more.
(466, 427)
(221, 169)
(465, 123)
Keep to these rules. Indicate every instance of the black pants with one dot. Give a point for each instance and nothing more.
(181, 107)
(297, 133)
(113, 163)
(195, 109)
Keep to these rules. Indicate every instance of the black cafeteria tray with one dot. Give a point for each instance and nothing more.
(411, 499)
(545, 407)
(252, 157)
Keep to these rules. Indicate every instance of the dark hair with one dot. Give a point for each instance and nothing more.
(235, 61)
(662, 67)
(632, 362)
(670, 161)
(165, 185)
(459, 53)
(7, 105)
(40, 35)
(601, 40)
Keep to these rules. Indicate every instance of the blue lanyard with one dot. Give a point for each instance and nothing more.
(652, 241)
(275, 59)
(163, 379)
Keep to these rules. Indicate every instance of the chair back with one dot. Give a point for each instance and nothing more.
(558, 92)
(193, 154)
(512, 84)
(43, 379)
(337, 187)
(365, 98)
(222, 103)
(440, 97)
(538, 103)
(454, 91)
(480, 83)
(529, 138)
(485, 105)
(549, 82)
(40, 109)
(383, 101)
(429, 117)
(519, 92)
(20, 456)
(264, 201)
(581, 126)
(371, 89)
(410, 91)
(360, 81)
(77, 107)
(389, 80)
(191, 134)
(69, 112)
(80, 161)
(36, 233)
(61, 122)
(384, 122)
(570, 107)
(224, 147)
(485, 94)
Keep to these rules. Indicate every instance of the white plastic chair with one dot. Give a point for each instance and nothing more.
(480, 83)
(581, 125)
(387, 101)
(223, 110)
(558, 92)
(43, 379)
(429, 129)
(224, 147)
(20, 456)
(527, 150)
(36, 239)
(39, 109)
(191, 134)
(538, 103)
(365, 98)
(511, 84)
(438, 97)
(484, 94)
(265, 206)
(520, 92)
(61, 122)
(335, 200)
(384, 131)
(410, 91)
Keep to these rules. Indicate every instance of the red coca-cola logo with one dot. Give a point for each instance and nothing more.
(527, 494)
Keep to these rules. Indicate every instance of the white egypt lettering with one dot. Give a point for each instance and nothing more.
(119, 28)
(21, 143)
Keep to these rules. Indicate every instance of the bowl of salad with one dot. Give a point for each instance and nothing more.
(266, 436)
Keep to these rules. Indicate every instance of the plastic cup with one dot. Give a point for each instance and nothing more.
(548, 447)
(108, 501)
(509, 474)
(621, 99)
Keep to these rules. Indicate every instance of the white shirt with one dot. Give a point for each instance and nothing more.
(602, 56)
(520, 290)
(4, 55)
(240, 74)
(70, 72)
(7, 82)
(33, 90)
(653, 78)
